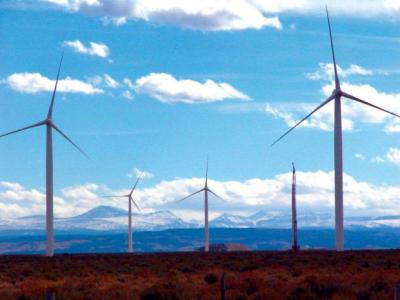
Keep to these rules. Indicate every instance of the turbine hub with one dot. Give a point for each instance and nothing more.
(337, 92)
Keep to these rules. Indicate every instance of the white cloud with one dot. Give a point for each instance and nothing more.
(392, 5)
(206, 15)
(16, 200)
(32, 83)
(87, 192)
(359, 156)
(378, 160)
(209, 15)
(95, 80)
(137, 172)
(351, 111)
(393, 156)
(127, 95)
(315, 193)
(110, 82)
(326, 72)
(293, 113)
(94, 49)
(167, 89)
(129, 83)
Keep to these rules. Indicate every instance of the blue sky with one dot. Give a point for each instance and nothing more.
(129, 102)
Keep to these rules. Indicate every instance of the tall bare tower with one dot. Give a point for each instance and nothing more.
(295, 245)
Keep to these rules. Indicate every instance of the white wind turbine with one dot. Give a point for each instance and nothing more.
(48, 122)
(130, 201)
(337, 94)
(295, 245)
(206, 190)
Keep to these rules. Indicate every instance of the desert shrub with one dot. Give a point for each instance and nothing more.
(250, 285)
(210, 278)
(240, 297)
(296, 273)
(324, 288)
(187, 270)
(365, 264)
(300, 293)
(363, 295)
(379, 286)
(151, 294)
(249, 268)
(167, 291)
(262, 296)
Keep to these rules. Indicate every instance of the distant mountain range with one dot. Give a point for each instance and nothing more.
(107, 218)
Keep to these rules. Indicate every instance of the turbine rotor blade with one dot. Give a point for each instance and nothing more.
(50, 113)
(216, 195)
(305, 118)
(134, 203)
(199, 191)
(25, 128)
(337, 83)
(69, 140)
(115, 196)
(137, 180)
(369, 104)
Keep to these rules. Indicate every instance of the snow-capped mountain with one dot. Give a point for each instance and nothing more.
(101, 218)
(101, 212)
(107, 218)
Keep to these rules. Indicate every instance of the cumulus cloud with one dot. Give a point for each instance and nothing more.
(17, 200)
(94, 49)
(167, 89)
(326, 72)
(206, 15)
(315, 193)
(137, 172)
(209, 15)
(32, 83)
(352, 111)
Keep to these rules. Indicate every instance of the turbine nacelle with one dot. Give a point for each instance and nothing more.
(337, 92)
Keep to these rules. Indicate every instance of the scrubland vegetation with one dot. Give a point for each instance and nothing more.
(358, 275)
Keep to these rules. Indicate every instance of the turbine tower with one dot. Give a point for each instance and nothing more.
(336, 96)
(206, 190)
(50, 125)
(295, 245)
(130, 201)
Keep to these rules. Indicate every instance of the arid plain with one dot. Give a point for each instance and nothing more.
(248, 275)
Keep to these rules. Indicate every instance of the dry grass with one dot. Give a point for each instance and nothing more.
(249, 275)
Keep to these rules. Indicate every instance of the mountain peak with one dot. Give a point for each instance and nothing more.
(103, 211)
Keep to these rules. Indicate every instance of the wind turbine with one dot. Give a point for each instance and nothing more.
(130, 201)
(336, 96)
(50, 125)
(206, 190)
(295, 245)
